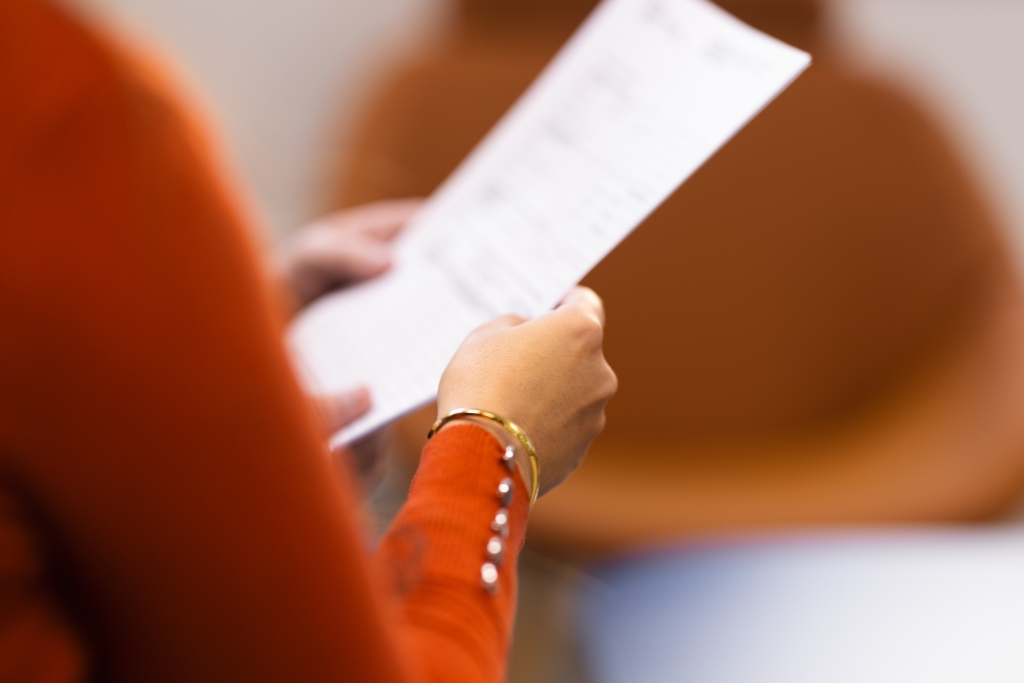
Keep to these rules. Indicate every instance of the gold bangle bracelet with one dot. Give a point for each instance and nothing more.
(509, 426)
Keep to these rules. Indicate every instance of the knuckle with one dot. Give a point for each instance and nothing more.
(612, 382)
(502, 322)
(587, 291)
(594, 301)
(588, 328)
(512, 319)
(473, 337)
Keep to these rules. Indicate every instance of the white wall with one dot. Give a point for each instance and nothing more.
(286, 75)
(282, 76)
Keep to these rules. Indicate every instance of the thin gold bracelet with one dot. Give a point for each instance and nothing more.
(510, 426)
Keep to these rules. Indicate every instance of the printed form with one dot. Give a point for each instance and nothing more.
(639, 98)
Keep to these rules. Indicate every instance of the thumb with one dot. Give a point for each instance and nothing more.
(337, 411)
(586, 301)
(505, 321)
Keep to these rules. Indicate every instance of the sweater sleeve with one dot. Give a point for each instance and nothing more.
(433, 554)
(162, 465)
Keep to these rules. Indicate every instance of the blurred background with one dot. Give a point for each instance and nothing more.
(288, 78)
(817, 455)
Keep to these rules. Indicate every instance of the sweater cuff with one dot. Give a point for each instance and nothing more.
(455, 497)
(435, 551)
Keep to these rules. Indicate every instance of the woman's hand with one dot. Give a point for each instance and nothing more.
(337, 411)
(547, 375)
(337, 250)
(344, 248)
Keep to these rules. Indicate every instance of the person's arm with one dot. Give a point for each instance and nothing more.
(153, 432)
(151, 423)
(549, 376)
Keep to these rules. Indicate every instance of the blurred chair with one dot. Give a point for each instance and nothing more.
(820, 327)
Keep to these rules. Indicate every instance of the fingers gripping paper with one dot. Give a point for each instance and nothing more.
(642, 95)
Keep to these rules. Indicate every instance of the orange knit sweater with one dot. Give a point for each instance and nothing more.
(167, 508)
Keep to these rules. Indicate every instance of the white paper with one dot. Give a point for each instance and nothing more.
(638, 99)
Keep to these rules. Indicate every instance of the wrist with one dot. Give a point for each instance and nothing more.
(505, 438)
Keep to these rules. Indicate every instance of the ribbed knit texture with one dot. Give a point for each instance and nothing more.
(168, 509)
(435, 548)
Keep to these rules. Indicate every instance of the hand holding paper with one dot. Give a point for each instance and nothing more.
(641, 96)
(524, 369)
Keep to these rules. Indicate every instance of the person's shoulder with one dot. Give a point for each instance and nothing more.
(65, 73)
(50, 61)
